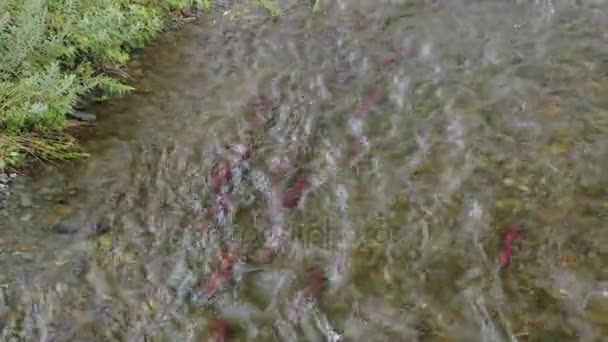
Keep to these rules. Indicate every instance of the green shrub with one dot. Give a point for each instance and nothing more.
(53, 51)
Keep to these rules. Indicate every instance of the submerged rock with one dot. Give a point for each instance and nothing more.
(71, 224)
(3, 316)
(27, 256)
(25, 200)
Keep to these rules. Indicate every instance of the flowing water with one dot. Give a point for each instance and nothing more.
(374, 171)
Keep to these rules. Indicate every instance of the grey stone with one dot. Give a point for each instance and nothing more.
(71, 224)
(13, 175)
(82, 115)
(27, 256)
(26, 200)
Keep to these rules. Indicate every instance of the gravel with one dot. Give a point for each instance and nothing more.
(5, 182)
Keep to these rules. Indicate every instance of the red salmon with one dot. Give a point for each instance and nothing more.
(513, 234)
(291, 197)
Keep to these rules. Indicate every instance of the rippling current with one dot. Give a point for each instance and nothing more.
(374, 171)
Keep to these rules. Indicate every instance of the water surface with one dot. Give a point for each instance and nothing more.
(380, 156)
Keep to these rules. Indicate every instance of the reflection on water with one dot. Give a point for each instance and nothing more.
(415, 170)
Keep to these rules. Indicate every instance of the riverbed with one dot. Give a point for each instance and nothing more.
(374, 171)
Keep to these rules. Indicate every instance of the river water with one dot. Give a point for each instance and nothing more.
(375, 171)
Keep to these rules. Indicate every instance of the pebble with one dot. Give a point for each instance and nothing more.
(26, 200)
(137, 72)
(508, 182)
(523, 188)
(27, 256)
(388, 276)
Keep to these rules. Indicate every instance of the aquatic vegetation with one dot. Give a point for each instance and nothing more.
(271, 6)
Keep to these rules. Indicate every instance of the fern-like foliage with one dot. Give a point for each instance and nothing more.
(54, 51)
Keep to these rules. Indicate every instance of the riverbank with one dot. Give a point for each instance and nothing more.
(57, 57)
(60, 58)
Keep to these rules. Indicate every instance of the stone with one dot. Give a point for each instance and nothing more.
(137, 72)
(82, 115)
(25, 200)
(70, 224)
(509, 182)
(27, 256)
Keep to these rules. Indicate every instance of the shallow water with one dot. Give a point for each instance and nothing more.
(403, 171)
